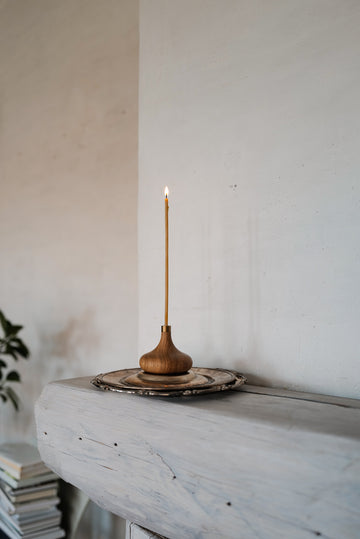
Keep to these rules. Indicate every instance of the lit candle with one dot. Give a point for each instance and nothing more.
(166, 256)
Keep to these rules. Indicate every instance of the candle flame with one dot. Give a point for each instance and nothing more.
(166, 191)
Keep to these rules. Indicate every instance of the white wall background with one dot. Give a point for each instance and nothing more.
(249, 111)
(68, 173)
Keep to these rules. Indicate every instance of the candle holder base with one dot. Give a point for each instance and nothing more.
(195, 382)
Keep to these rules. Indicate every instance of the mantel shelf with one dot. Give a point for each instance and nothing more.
(252, 463)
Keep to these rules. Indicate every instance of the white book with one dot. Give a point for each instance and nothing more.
(49, 533)
(29, 496)
(38, 526)
(39, 523)
(5, 503)
(10, 491)
(28, 507)
(21, 460)
(28, 481)
(26, 518)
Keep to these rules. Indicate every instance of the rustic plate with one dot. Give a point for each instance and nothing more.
(196, 382)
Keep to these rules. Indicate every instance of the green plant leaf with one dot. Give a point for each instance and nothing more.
(9, 328)
(13, 376)
(19, 347)
(15, 329)
(4, 323)
(10, 345)
(13, 397)
(10, 351)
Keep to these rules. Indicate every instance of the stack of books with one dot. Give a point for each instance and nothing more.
(28, 495)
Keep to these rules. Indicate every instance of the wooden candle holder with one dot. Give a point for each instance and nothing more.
(165, 371)
(165, 358)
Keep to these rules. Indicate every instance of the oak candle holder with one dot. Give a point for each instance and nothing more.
(165, 371)
(165, 358)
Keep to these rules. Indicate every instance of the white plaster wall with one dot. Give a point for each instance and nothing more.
(249, 111)
(68, 189)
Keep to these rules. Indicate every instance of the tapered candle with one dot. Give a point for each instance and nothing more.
(166, 256)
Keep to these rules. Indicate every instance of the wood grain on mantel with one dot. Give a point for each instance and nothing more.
(243, 464)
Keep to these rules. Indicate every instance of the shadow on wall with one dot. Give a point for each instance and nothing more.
(77, 338)
(254, 353)
(66, 353)
(71, 348)
(251, 348)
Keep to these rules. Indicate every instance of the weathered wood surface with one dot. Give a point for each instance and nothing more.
(251, 463)
(133, 531)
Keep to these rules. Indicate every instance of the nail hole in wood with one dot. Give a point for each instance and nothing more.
(80, 438)
(45, 433)
(228, 503)
(317, 533)
(115, 444)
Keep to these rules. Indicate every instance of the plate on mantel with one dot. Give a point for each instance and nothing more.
(196, 382)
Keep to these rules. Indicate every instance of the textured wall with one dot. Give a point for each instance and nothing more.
(249, 111)
(68, 183)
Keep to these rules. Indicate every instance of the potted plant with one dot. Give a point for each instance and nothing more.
(10, 345)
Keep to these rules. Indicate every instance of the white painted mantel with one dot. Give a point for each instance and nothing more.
(252, 463)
